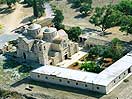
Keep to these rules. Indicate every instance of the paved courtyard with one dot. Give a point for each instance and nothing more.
(74, 58)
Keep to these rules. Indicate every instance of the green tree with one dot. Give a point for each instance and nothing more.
(10, 2)
(126, 24)
(86, 1)
(105, 18)
(117, 49)
(74, 33)
(2, 1)
(90, 66)
(85, 8)
(58, 19)
(28, 2)
(76, 3)
(114, 50)
(38, 8)
(125, 6)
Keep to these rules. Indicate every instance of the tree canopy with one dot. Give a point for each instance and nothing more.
(58, 19)
(74, 32)
(125, 6)
(2, 1)
(114, 50)
(90, 66)
(105, 17)
(38, 8)
(85, 8)
(126, 24)
(10, 2)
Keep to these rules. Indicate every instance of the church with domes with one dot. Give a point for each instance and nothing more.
(45, 45)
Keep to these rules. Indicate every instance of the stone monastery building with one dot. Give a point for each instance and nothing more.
(46, 45)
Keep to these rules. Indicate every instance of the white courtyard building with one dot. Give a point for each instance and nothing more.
(104, 82)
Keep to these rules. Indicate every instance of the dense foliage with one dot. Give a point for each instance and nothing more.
(78, 3)
(28, 2)
(114, 15)
(2, 1)
(38, 8)
(10, 2)
(74, 32)
(58, 19)
(90, 66)
(115, 50)
(125, 7)
(85, 8)
(106, 17)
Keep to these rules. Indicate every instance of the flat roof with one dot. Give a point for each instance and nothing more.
(112, 72)
(66, 73)
(103, 78)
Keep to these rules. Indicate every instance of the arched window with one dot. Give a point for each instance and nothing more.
(46, 77)
(44, 48)
(76, 83)
(60, 80)
(40, 48)
(38, 76)
(97, 87)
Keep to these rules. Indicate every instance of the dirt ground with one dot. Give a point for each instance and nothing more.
(73, 18)
(11, 19)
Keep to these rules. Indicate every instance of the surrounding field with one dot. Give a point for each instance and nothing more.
(11, 72)
(74, 18)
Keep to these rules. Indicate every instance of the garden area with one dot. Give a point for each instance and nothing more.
(100, 57)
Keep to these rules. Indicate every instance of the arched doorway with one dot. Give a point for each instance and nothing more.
(66, 56)
(24, 55)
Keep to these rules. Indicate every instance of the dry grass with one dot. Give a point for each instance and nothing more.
(72, 18)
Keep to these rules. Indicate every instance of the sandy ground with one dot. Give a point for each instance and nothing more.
(11, 21)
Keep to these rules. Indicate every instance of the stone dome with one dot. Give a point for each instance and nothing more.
(49, 33)
(47, 30)
(50, 30)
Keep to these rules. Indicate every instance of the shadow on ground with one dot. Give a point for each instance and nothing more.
(80, 16)
(22, 66)
(29, 81)
(6, 10)
(27, 19)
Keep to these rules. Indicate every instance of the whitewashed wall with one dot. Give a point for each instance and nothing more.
(68, 82)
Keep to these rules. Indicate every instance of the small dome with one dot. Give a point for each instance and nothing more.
(47, 30)
(34, 26)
